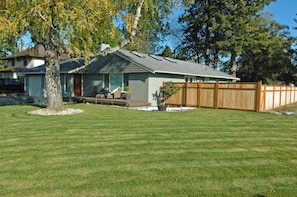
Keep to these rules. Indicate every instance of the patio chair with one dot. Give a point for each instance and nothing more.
(116, 93)
(102, 94)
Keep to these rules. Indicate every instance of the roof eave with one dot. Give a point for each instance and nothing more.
(197, 75)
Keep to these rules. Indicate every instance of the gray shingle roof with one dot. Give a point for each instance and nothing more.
(157, 64)
(124, 61)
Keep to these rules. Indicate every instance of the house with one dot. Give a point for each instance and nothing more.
(26, 58)
(143, 73)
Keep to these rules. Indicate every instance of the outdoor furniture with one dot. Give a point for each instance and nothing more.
(102, 94)
(106, 94)
(116, 93)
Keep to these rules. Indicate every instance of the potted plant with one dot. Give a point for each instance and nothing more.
(128, 92)
(168, 89)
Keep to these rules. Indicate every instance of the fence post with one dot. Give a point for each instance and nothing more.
(280, 96)
(273, 97)
(287, 92)
(199, 94)
(186, 94)
(264, 98)
(258, 96)
(294, 94)
(216, 95)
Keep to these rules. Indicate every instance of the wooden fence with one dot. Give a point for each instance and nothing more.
(242, 96)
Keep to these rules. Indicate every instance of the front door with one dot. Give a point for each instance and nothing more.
(77, 85)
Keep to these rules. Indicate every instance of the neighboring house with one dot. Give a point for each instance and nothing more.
(143, 73)
(27, 58)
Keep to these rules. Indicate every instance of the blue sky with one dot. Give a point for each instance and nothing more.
(284, 12)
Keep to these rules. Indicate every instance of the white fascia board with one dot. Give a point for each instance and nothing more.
(191, 74)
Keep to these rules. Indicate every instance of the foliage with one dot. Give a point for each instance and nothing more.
(201, 152)
(3, 63)
(268, 57)
(201, 31)
(152, 27)
(167, 52)
(73, 22)
(127, 90)
(166, 91)
(213, 28)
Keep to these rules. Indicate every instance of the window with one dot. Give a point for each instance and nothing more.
(115, 80)
(190, 79)
(138, 54)
(156, 57)
(170, 59)
(65, 84)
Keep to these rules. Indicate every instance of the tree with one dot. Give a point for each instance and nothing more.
(240, 13)
(269, 57)
(216, 27)
(52, 23)
(145, 19)
(167, 52)
(197, 33)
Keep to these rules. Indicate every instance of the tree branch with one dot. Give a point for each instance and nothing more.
(128, 40)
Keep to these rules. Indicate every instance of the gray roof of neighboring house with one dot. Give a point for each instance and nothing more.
(32, 52)
(36, 52)
(13, 69)
(124, 61)
(65, 67)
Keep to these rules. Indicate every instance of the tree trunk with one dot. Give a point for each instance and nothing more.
(233, 64)
(207, 57)
(207, 38)
(132, 35)
(216, 59)
(52, 80)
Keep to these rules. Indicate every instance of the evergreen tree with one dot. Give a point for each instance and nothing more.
(268, 57)
(216, 27)
(240, 13)
(202, 30)
(167, 52)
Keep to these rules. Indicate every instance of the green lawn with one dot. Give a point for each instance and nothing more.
(113, 151)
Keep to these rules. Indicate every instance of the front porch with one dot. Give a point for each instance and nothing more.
(103, 101)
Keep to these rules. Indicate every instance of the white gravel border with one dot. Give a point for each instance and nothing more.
(169, 109)
(46, 112)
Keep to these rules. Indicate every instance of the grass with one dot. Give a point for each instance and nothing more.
(113, 151)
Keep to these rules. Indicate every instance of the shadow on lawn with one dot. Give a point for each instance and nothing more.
(19, 99)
